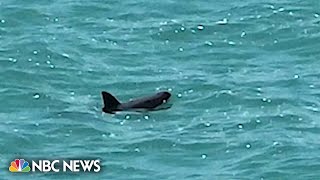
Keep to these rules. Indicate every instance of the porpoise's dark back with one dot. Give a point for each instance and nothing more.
(148, 102)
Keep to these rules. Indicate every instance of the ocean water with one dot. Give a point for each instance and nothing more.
(244, 78)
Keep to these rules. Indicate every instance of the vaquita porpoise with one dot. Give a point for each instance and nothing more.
(149, 103)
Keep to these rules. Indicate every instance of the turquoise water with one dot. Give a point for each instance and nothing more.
(244, 78)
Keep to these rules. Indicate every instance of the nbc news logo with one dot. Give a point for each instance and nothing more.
(21, 165)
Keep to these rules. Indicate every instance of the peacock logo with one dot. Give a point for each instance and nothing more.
(19, 165)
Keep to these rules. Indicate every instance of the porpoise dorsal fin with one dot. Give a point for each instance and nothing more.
(110, 102)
